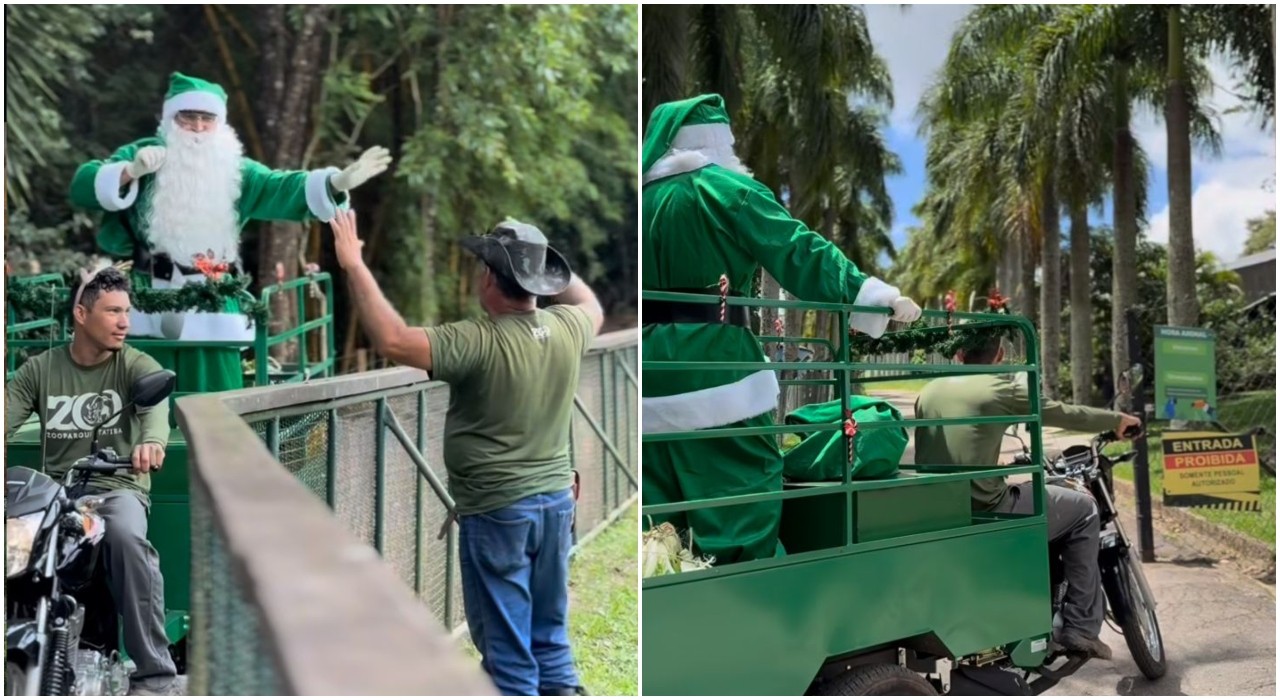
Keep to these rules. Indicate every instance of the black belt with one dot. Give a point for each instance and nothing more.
(163, 267)
(689, 312)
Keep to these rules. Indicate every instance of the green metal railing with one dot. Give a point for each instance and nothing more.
(370, 446)
(59, 324)
(842, 377)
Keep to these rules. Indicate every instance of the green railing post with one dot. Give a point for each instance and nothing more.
(604, 427)
(273, 437)
(302, 339)
(331, 461)
(380, 489)
(417, 496)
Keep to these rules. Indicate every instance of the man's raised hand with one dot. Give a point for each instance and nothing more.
(370, 163)
(346, 241)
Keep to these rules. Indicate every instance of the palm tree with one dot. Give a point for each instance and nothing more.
(1175, 40)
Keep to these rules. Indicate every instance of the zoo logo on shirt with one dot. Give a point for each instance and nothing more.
(75, 417)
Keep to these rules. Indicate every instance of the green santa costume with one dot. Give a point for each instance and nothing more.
(180, 199)
(703, 217)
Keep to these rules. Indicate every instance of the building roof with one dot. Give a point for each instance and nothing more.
(1240, 263)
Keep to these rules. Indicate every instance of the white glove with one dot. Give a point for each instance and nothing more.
(370, 163)
(904, 310)
(147, 161)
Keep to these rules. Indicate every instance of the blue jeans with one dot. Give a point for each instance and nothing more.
(515, 586)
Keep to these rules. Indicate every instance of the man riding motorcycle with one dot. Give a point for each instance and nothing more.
(72, 388)
(1073, 516)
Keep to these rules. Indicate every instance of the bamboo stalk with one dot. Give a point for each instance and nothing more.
(251, 130)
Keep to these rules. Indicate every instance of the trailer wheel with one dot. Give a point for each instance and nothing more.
(879, 679)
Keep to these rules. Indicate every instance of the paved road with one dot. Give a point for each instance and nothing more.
(1219, 625)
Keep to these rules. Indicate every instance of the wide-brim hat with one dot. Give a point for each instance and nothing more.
(521, 252)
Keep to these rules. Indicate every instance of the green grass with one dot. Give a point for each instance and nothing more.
(603, 610)
(1261, 526)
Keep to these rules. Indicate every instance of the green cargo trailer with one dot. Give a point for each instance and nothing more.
(888, 586)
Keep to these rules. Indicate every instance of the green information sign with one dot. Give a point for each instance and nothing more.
(1186, 379)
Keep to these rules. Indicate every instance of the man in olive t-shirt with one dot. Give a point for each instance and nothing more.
(512, 377)
(1073, 516)
(72, 389)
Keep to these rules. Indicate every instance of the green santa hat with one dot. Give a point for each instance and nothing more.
(187, 93)
(695, 123)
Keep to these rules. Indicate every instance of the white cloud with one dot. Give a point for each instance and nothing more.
(913, 41)
(1219, 209)
(1228, 190)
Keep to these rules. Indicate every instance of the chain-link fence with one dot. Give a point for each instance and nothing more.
(370, 446)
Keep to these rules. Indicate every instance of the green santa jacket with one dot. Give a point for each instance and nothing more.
(265, 195)
(703, 222)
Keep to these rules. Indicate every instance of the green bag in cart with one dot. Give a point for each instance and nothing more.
(820, 456)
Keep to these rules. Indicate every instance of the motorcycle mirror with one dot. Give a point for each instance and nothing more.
(153, 388)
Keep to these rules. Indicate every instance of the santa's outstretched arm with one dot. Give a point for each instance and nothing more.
(810, 266)
(112, 184)
(296, 195)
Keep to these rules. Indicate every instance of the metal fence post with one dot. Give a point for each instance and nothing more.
(1141, 466)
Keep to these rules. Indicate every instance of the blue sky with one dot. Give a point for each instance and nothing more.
(1227, 190)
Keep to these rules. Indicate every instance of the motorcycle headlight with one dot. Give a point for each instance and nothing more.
(19, 537)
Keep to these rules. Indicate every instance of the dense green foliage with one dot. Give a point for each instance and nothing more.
(489, 112)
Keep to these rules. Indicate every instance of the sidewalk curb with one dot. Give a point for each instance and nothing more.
(1246, 550)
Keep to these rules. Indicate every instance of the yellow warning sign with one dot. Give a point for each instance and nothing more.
(1211, 470)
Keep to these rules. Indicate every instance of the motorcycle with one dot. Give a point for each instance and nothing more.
(1130, 603)
(61, 629)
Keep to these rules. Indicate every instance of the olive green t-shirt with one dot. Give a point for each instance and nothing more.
(76, 399)
(979, 445)
(511, 385)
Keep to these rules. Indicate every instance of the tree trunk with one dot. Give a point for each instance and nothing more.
(1050, 291)
(1081, 308)
(1027, 282)
(292, 64)
(1183, 306)
(666, 33)
(1124, 274)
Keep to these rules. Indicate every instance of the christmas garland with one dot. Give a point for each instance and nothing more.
(944, 340)
(210, 297)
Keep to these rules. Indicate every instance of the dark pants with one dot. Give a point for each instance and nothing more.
(133, 573)
(515, 586)
(1073, 526)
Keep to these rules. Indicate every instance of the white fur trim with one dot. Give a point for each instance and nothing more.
(197, 326)
(873, 292)
(318, 200)
(675, 163)
(709, 408)
(197, 100)
(106, 185)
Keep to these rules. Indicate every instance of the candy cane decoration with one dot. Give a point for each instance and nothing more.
(850, 431)
(724, 298)
(950, 303)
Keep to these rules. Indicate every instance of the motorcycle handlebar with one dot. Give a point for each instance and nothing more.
(1129, 434)
(104, 465)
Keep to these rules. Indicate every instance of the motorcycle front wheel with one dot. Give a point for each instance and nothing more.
(1137, 618)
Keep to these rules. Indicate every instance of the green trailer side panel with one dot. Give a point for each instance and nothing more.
(810, 524)
(768, 631)
(168, 528)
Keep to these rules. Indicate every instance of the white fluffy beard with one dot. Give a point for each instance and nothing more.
(724, 157)
(193, 200)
